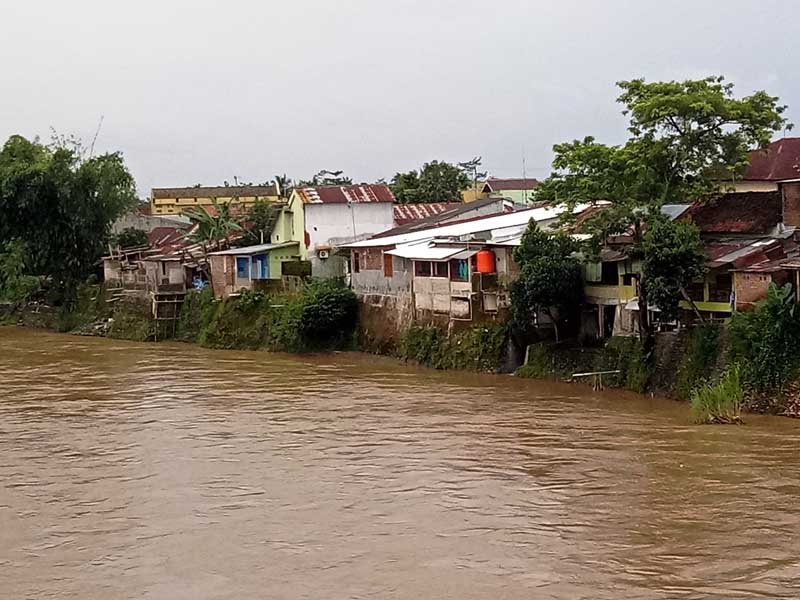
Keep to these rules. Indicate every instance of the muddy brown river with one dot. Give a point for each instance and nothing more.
(172, 472)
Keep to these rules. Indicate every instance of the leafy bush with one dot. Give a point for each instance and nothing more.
(130, 237)
(329, 315)
(623, 354)
(132, 320)
(425, 345)
(720, 402)
(15, 285)
(701, 355)
(541, 364)
(626, 355)
(480, 348)
(197, 309)
(238, 322)
(765, 341)
(323, 317)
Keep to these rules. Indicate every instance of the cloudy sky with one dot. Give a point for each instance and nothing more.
(202, 91)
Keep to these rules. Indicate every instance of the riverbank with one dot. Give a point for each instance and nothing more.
(325, 318)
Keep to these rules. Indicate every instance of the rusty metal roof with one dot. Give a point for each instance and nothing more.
(744, 212)
(778, 161)
(407, 213)
(500, 185)
(346, 194)
(215, 192)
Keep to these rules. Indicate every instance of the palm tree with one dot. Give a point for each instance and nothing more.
(212, 228)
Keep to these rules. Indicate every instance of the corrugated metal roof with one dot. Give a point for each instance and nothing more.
(424, 252)
(457, 211)
(251, 250)
(741, 253)
(673, 211)
(215, 192)
(406, 213)
(464, 254)
(430, 251)
(500, 185)
(741, 212)
(518, 220)
(345, 194)
(778, 161)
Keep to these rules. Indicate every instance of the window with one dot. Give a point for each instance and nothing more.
(422, 268)
(440, 269)
(459, 270)
(355, 266)
(387, 265)
(242, 267)
(627, 279)
(260, 267)
(610, 274)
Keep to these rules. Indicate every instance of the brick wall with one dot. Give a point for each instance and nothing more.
(750, 288)
(220, 280)
(791, 204)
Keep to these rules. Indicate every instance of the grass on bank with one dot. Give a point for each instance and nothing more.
(719, 403)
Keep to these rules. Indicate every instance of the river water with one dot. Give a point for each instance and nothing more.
(172, 472)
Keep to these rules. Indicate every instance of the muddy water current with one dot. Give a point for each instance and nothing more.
(166, 471)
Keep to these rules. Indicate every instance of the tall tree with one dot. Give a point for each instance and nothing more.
(435, 182)
(60, 205)
(326, 177)
(550, 279)
(213, 227)
(284, 184)
(259, 221)
(471, 170)
(673, 258)
(685, 137)
(130, 237)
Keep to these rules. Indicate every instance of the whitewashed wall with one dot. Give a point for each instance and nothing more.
(334, 224)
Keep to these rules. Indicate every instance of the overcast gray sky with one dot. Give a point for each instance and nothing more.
(199, 91)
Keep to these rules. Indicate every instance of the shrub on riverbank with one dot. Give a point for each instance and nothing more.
(699, 358)
(132, 321)
(623, 354)
(721, 402)
(322, 318)
(480, 348)
(765, 343)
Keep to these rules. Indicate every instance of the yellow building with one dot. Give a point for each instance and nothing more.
(173, 201)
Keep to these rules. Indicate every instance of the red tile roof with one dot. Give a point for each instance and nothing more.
(406, 213)
(750, 212)
(344, 194)
(498, 185)
(778, 161)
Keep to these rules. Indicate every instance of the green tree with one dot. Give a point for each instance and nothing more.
(60, 205)
(130, 237)
(284, 184)
(471, 170)
(215, 227)
(326, 177)
(260, 221)
(673, 258)
(764, 341)
(684, 138)
(435, 182)
(550, 279)
(15, 284)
